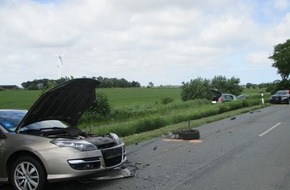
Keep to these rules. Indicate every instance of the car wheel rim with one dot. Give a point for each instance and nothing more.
(26, 176)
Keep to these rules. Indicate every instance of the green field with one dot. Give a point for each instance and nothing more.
(18, 99)
(117, 97)
(139, 96)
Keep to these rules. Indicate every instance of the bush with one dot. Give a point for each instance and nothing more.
(49, 86)
(100, 109)
(166, 100)
(227, 85)
(201, 88)
(195, 89)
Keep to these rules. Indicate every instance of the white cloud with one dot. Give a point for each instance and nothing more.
(162, 41)
(228, 31)
(258, 58)
(281, 4)
(283, 28)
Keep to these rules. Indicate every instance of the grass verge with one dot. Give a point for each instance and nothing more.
(171, 117)
(136, 138)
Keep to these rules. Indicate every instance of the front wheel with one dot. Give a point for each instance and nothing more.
(27, 174)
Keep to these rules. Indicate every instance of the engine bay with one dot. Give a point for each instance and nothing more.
(102, 142)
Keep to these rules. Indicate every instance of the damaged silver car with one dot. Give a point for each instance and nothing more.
(43, 145)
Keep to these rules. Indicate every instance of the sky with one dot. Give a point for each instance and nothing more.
(165, 42)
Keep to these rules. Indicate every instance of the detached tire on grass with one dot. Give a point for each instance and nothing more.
(189, 134)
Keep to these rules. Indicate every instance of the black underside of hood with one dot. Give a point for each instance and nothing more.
(66, 102)
(215, 91)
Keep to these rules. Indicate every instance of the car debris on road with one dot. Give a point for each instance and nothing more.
(189, 134)
(126, 171)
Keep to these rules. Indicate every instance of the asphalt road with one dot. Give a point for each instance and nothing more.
(249, 151)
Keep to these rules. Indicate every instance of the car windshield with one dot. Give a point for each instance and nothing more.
(281, 93)
(49, 124)
(10, 120)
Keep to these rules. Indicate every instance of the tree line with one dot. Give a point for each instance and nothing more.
(39, 84)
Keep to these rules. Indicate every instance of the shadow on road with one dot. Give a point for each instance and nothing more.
(71, 185)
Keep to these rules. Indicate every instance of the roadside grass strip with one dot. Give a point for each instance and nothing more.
(164, 131)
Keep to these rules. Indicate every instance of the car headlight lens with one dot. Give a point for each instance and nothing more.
(116, 138)
(284, 98)
(80, 145)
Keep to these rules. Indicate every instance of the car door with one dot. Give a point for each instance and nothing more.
(2, 143)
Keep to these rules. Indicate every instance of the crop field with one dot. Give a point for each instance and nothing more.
(117, 97)
(18, 99)
(139, 96)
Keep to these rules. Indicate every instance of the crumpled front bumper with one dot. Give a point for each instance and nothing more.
(67, 163)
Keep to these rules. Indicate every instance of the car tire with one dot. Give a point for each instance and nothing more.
(189, 134)
(27, 173)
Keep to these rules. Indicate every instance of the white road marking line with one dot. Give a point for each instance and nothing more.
(267, 131)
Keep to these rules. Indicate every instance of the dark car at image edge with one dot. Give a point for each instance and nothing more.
(280, 97)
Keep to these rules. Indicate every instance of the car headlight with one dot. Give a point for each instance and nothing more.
(80, 145)
(116, 138)
(284, 98)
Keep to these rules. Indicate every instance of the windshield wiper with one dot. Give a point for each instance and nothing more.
(51, 128)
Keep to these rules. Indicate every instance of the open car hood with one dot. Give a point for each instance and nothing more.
(215, 91)
(66, 102)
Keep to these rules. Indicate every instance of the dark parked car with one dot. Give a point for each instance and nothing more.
(281, 96)
(44, 145)
(219, 97)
